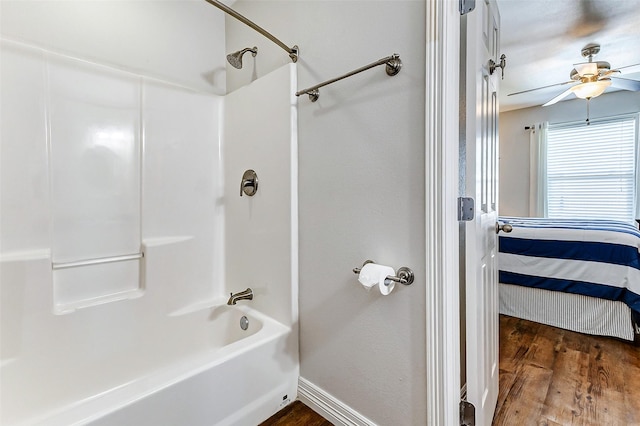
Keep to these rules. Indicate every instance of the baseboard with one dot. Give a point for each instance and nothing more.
(328, 406)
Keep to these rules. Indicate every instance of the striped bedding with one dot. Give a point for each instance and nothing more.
(596, 258)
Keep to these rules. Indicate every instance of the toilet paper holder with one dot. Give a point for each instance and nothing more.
(403, 275)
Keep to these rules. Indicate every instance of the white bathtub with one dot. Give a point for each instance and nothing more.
(198, 368)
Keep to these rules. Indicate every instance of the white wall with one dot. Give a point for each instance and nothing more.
(361, 193)
(514, 140)
(179, 41)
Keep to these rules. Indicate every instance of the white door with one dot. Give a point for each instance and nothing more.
(480, 239)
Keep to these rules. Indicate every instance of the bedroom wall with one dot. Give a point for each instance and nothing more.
(361, 194)
(514, 140)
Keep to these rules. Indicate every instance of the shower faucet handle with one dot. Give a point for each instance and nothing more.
(249, 183)
(244, 187)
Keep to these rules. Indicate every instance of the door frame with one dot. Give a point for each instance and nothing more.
(441, 218)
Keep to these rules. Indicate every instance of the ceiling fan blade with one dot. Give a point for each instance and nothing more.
(608, 73)
(559, 97)
(626, 84)
(630, 69)
(540, 88)
(586, 68)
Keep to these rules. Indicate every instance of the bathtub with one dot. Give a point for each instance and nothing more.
(198, 368)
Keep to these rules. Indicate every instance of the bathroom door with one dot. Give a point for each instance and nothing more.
(480, 183)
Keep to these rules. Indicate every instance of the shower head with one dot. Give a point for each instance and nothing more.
(235, 58)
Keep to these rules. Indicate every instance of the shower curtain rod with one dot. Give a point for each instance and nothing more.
(393, 65)
(292, 51)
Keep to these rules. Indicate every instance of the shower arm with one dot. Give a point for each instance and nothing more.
(292, 51)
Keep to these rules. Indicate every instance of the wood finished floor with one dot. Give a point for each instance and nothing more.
(550, 376)
(296, 414)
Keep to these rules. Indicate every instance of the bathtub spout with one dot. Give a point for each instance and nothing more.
(243, 295)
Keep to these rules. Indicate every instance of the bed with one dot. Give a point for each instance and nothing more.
(581, 275)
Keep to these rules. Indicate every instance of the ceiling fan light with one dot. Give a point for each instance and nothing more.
(591, 89)
(586, 69)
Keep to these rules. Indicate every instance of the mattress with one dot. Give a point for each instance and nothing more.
(595, 258)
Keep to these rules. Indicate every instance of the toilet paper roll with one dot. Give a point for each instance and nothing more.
(369, 275)
(384, 288)
(373, 274)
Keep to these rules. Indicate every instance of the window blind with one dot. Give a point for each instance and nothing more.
(592, 170)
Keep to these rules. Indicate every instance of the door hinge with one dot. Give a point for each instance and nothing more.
(467, 6)
(466, 208)
(467, 414)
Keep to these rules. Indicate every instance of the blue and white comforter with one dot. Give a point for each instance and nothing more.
(596, 258)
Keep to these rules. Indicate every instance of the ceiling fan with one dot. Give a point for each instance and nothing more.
(590, 79)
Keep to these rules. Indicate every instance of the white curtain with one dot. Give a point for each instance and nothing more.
(637, 179)
(538, 170)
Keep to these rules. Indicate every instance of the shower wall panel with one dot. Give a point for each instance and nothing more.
(260, 129)
(24, 211)
(94, 125)
(99, 163)
(95, 159)
(24, 196)
(182, 193)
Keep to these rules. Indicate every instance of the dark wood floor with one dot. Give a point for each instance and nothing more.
(296, 414)
(550, 376)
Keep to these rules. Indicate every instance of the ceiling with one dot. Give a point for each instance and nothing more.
(542, 39)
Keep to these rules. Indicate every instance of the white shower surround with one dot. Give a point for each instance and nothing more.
(126, 356)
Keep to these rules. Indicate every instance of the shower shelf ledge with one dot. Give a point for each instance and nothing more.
(199, 306)
(164, 241)
(25, 255)
(68, 308)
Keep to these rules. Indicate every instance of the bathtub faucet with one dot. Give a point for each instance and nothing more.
(243, 295)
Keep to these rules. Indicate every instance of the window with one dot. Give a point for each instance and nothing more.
(592, 171)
